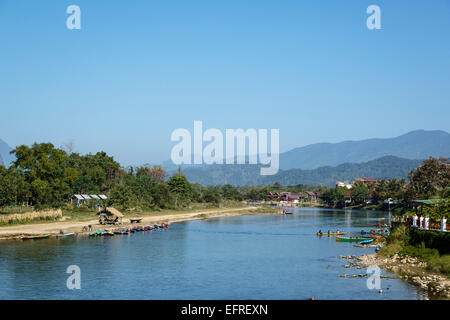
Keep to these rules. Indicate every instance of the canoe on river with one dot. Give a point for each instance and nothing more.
(369, 236)
(331, 234)
(367, 241)
(350, 239)
(41, 236)
(62, 235)
(375, 232)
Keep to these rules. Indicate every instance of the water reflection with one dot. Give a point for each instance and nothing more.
(242, 257)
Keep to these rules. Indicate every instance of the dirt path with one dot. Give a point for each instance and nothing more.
(76, 226)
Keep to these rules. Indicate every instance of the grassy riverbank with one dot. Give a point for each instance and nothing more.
(421, 263)
(433, 254)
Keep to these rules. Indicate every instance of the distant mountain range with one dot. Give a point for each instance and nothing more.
(5, 156)
(387, 167)
(419, 144)
(322, 163)
(415, 145)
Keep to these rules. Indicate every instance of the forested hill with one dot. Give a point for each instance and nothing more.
(383, 168)
(418, 144)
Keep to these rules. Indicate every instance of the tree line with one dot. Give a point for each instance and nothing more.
(428, 181)
(45, 176)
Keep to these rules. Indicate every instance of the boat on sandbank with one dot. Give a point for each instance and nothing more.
(40, 236)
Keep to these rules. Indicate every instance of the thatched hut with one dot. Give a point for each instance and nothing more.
(109, 215)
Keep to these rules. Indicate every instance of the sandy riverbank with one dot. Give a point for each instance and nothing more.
(17, 231)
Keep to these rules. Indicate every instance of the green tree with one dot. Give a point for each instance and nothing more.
(231, 193)
(360, 192)
(6, 185)
(95, 173)
(121, 196)
(429, 178)
(335, 196)
(157, 172)
(181, 188)
(45, 169)
(212, 196)
(438, 210)
(340, 195)
(381, 191)
(144, 187)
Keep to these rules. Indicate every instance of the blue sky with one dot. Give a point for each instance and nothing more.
(137, 70)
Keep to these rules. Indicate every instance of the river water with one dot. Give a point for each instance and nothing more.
(244, 257)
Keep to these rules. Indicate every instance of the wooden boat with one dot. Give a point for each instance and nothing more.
(41, 236)
(350, 239)
(375, 232)
(120, 231)
(371, 236)
(62, 235)
(366, 241)
(331, 234)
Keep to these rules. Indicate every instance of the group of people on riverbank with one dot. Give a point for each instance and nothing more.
(424, 222)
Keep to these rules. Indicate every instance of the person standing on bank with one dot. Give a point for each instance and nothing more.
(415, 220)
(443, 224)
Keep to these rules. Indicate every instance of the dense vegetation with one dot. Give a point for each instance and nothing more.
(387, 167)
(45, 176)
(430, 247)
(430, 180)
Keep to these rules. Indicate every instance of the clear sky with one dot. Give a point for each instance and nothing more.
(137, 70)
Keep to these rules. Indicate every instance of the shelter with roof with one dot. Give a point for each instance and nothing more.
(83, 199)
(109, 214)
(419, 204)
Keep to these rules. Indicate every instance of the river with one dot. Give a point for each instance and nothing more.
(241, 257)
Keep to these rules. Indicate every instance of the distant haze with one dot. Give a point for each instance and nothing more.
(419, 144)
(415, 145)
(387, 167)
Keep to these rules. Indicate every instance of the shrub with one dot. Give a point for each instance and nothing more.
(440, 265)
(421, 252)
(435, 240)
(399, 234)
(391, 249)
